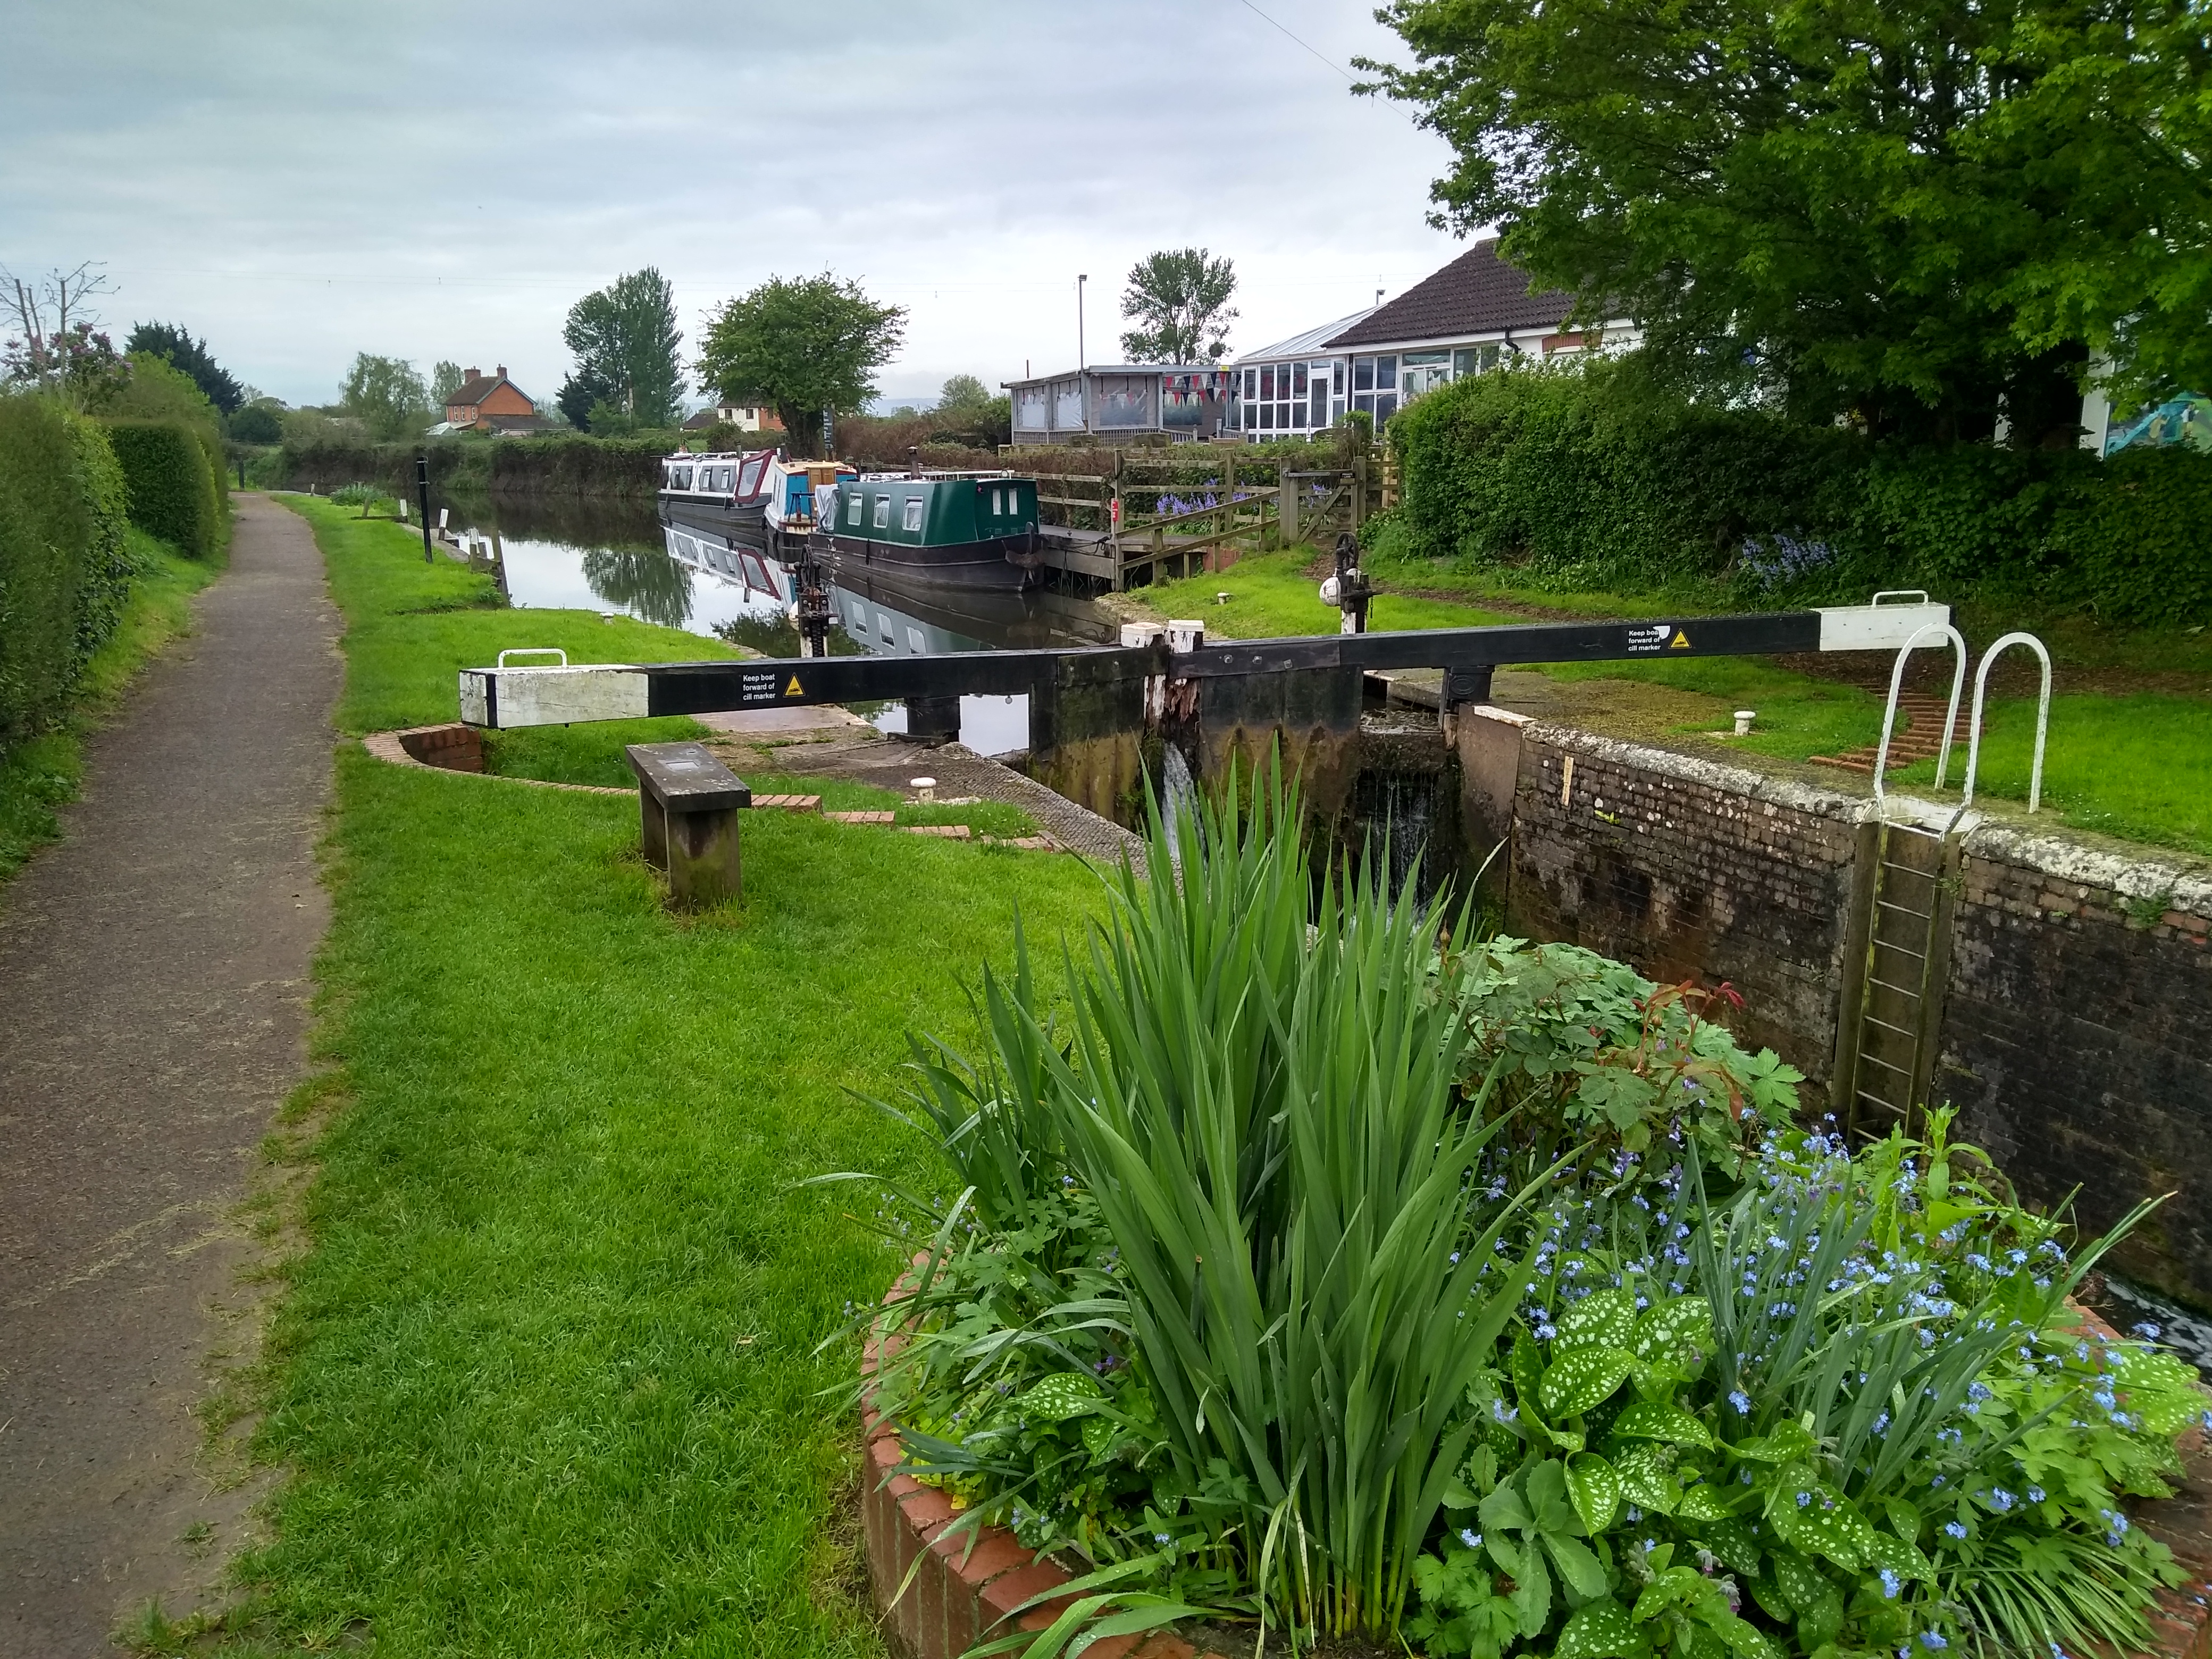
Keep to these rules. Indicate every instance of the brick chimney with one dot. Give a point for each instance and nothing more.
(473, 371)
(502, 371)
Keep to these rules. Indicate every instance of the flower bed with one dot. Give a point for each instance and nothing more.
(1324, 1279)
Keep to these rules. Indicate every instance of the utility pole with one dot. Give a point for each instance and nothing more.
(1082, 359)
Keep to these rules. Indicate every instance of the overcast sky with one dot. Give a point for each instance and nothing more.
(301, 182)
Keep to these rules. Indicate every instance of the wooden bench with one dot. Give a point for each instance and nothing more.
(688, 803)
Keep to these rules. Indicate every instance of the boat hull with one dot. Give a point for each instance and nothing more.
(1001, 563)
(747, 523)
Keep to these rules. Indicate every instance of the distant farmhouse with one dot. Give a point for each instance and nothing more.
(1474, 314)
(746, 417)
(491, 403)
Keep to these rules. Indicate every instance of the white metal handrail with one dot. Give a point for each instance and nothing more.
(533, 651)
(1897, 682)
(2042, 717)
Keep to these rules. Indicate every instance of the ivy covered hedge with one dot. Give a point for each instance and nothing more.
(1588, 476)
(567, 464)
(64, 571)
(173, 491)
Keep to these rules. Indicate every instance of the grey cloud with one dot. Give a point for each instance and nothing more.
(300, 183)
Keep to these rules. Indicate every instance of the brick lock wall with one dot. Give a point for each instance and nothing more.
(1690, 869)
(2076, 1034)
(2077, 1039)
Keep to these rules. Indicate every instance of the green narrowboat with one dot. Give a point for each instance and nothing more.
(962, 529)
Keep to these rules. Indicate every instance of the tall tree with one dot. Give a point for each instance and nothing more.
(578, 395)
(1922, 215)
(386, 395)
(625, 338)
(168, 340)
(961, 393)
(801, 345)
(446, 380)
(1179, 297)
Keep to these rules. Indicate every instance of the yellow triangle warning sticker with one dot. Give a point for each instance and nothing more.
(792, 690)
(1681, 641)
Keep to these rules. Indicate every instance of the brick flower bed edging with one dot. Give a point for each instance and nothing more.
(962, 1595)
(459, 749)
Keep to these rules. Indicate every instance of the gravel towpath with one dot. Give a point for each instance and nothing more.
(153, 1012)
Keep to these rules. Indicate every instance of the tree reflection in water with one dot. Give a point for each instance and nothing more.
(651, 584)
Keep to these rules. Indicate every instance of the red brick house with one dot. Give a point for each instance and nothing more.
(485, 401)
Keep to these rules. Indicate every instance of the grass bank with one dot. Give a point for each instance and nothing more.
(2131, 757)
(45, 773)
(547, 1380)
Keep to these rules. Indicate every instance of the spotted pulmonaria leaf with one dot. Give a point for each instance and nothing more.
(1659, 1419)
(1745, 1639)
(1579, 1378)
(1827, 1523)
(1644, 1480)
(1789, 1442)
(1703, 1503)
(1734, 1542)
(1799, 1581)
(1678, 1331)
(1601, 1631)
(1097, 1435)
(1901, 1557)
(1069, 1394)
(1603, 1319)
(1594, 1487)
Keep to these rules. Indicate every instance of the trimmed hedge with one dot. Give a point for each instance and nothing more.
(570, 463)
(65, 569)
(174, 494)
(1590, 477)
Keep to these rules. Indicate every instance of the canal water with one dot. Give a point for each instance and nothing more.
(616, 556)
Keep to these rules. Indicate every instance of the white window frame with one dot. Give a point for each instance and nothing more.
(882, 516)
(910, 520)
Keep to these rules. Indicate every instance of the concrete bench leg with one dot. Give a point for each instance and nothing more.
(702, 852)
(653, 830)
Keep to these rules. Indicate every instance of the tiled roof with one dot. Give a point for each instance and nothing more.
(475, 389)
(1477, 293)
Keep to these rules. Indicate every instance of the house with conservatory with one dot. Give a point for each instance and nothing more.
(1474, 314)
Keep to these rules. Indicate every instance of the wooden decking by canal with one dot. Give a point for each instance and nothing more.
(1124, 530)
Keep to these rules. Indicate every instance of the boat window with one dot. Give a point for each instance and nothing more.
(998, 504)
(883, 511)
(852, 508)
(752, 471)
(912, 513)
(683, 479)
(915, 643)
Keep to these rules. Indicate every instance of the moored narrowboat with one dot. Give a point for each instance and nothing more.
(757, 497)
(961, 529)
(722, 493)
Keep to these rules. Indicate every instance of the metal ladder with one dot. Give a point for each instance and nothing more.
(1890, 1055)
(1901, 988)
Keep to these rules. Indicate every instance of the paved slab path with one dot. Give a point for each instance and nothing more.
(153, 1008)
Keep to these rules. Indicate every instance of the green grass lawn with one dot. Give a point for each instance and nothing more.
(44, 773)
(547, 1381)
(1272, 595)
